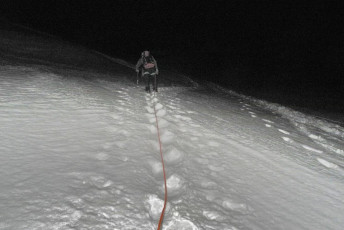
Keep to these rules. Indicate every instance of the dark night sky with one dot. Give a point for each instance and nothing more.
(187, 25)
(281, 42)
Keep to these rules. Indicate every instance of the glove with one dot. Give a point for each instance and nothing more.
(137, 70)
(157, 72)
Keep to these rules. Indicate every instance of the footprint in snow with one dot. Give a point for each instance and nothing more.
(100, 182)
(327, 164)
(149, 109)
(311, 149)
(236, 207)
(124, 96)
(268, 121)
(267, 125)
(76, 202)
(184, 118)
(153, 204)
(161, 113)
(175, 185)
(173, 156)
(167, 137)
(156, 168)
(163, 123)
(212, 215)
(250, 112)
(287, 139)
(155, 145)
(158, 106)
(172, 107)
(314, 137)
(208, 184)
(102, 156)
(253, 116)
(172, 103)
(283, 131)
(178, 223)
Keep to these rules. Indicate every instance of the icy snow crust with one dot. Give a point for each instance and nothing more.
(79, 150)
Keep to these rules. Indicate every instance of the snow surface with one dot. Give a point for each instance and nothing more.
(79, 150)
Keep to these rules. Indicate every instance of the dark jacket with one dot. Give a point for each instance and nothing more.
(145, 62)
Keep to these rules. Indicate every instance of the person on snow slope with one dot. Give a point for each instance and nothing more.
(149, 71)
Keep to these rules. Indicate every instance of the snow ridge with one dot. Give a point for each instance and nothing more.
(307, 124)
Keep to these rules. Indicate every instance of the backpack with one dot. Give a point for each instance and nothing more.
(148, 62)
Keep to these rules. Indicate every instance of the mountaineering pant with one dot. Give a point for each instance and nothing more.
(151, 78)
(150, 75)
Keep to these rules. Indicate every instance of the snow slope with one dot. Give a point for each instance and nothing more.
(79, 149)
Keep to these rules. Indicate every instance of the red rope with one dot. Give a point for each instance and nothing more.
(163, 168)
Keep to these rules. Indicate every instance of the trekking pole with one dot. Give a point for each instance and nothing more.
(137, 78)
